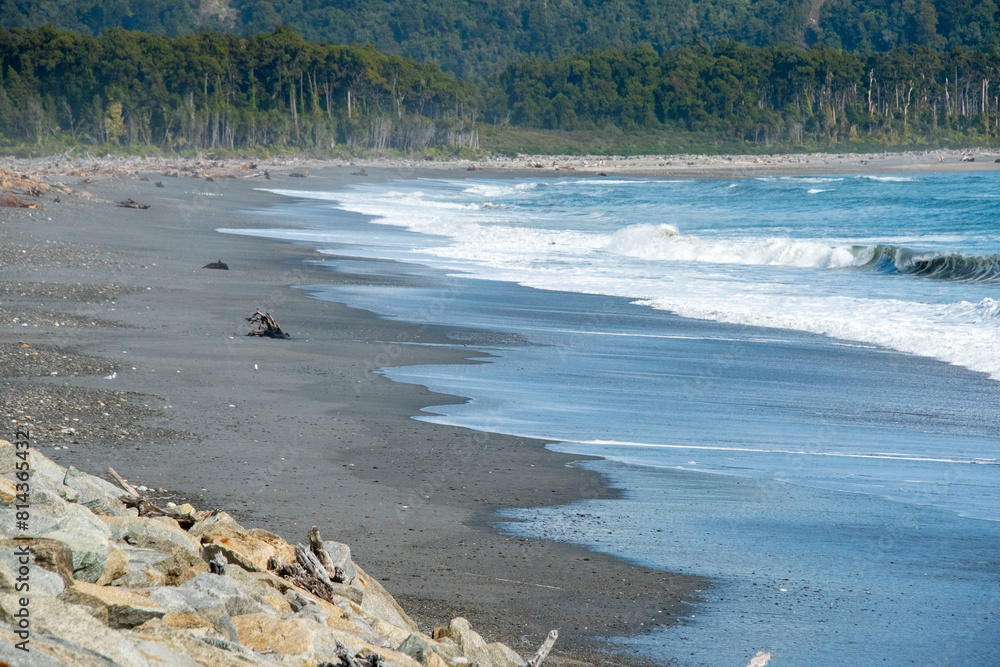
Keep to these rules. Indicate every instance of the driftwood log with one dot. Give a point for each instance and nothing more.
(129, 489)
(131, 203)
(347, 660)
(543, 650)
(266, 326)
(148, 509)
(294, 573)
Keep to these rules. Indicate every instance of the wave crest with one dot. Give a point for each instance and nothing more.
(935, 265)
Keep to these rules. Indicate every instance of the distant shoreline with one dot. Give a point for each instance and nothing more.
(656, 166)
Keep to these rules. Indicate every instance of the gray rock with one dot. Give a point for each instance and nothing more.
(340, 554)
(312, 612)
(55, 519)
(160, 534)
(417, 647)
(297, 600)
(159, 651)
(42, 580)
(72, 624)
(206, 600)
(40, 656)
(99, 496)
(44, 474)
(215, 518)
(178, 600)
(146, 568)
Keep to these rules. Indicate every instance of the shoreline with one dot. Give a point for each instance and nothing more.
(661, 166)
(192, 363)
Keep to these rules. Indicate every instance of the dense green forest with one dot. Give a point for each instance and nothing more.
(480, 37)
(275, 89)
(782, 94)
(212, 90)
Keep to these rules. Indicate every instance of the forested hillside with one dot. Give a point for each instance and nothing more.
(784, 94)
(212, 90)
(481, 37)
(218, 91)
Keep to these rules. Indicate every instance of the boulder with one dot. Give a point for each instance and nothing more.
(305, 638)
(340, 554)
(99, 496)
(116, 565)
(475, 647)
(116, 607)
(418, 647)
(74, 625)
(52, 556)
(160, 533)
(212, 520)
(270, 600)
(75, 526)
(44, 475)
(45, 652)
(377, 603)
(202, 652)
(281, 548)
(8, 492)
(250, 553)
(42, 579)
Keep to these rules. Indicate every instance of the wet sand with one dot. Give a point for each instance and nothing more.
(288, 434)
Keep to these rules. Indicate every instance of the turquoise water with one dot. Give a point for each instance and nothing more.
(793, 381)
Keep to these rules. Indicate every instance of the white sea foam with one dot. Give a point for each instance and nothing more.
(816, 191)
(888, 179)
(659, 266)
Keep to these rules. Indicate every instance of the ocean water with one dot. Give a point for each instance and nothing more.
(795, 382)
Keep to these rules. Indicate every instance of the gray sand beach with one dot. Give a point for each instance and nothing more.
(144, 366)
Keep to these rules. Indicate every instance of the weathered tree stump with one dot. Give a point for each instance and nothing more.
(266, 326)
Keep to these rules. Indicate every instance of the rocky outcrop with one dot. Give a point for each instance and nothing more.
(110, 587)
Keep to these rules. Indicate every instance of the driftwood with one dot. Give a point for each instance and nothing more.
(345, 656)
(131, 203)
(10, 201)
(148, 509)
(217, 265)
(308, 560)
(347, 660)
(295, 574)
(337, 574)
(218, 564)
(144, 179)
(543, 650)
(322, 555)
(129, 489)
(299, 174)
(266, 326)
